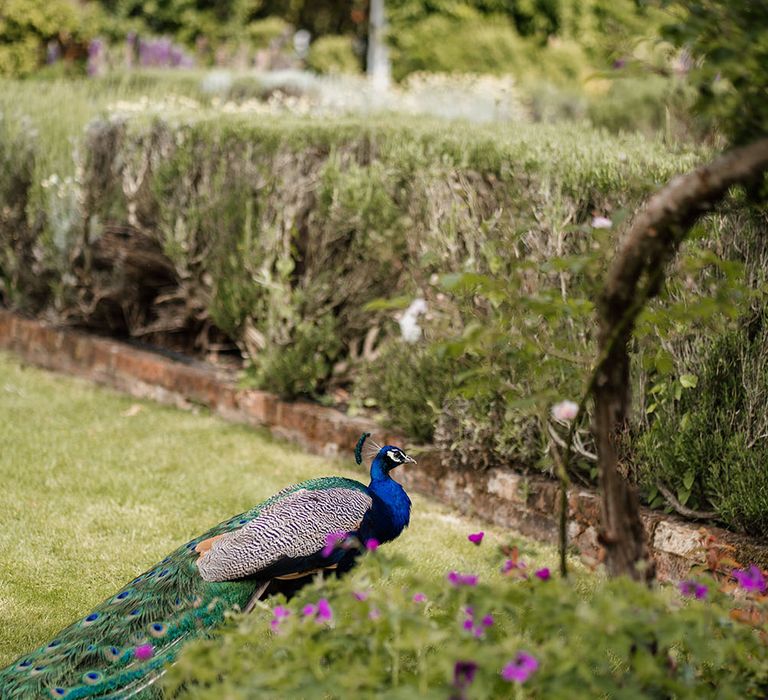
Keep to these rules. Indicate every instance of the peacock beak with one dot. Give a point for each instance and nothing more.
(410, 459)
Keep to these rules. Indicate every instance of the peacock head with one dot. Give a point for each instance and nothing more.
(389, 457)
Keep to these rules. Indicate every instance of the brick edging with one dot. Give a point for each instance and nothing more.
(524, 503)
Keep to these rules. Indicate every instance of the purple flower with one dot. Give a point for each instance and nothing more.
(693, 589)
(332, 540)
(521, 669)
(419, 598)
(513, 565)
(457, 579)
(360, 595)
(476, 538)
(543, 574)
(464, 673)
(375, 614)
(144, 652)
(280, 613)
(308, 610)
(477, 629)
(750, 580)
(619, 63)
(324, 612)
(372, 544)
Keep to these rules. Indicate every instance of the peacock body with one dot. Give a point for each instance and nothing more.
(121, 647)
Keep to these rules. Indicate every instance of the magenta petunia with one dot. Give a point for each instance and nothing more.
(469, 624)
(751, 580)
(487, 621)
(476, 537)
(457, 579)
(372, 544)
(280, 613)
(144, 652)
(332, 540)
(520, 669)
(419, 598)
(693, 589)
(511, 565)
(324, 612)
(308, 610)
(543, 574)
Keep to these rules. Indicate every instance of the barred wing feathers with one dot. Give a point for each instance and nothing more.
(286, 536)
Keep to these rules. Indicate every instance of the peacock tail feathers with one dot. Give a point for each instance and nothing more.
(121, 647)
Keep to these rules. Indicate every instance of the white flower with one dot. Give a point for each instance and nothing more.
(601, 222)
(565, 411)
(409, 321)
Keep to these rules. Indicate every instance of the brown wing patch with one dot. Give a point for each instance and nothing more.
(205, 545)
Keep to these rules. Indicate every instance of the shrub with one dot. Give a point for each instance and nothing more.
(472, 45)
(425, 637)
(710, 446)
(409, 383)
(333, 55)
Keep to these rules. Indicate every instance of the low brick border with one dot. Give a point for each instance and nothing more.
(526, 504)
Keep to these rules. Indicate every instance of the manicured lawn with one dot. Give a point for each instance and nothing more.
(98, 486)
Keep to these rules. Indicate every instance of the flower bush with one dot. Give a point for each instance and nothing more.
(510, 635)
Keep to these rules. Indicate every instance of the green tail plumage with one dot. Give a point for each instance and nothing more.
(121, 647)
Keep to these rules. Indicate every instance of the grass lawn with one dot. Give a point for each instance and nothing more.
(98, 486)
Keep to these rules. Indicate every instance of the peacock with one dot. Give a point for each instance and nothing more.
(121, 648)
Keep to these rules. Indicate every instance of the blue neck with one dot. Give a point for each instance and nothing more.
(392, 507)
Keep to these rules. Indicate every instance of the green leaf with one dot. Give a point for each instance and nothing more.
(689, 381)
(688, 479)
(683, 495)
(394, 303)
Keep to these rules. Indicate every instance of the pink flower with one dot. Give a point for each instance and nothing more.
(419, 598)
(144, 652)
(521, 669)
(375, 614)
(476, 538)
(308, 610)
(543, 574)
(511, 565)
(332, 540)
(565, 411)
(360, 595)
(751, 580)
(601, 222)
(478, 629)
(324, 612)
(693, 589)
(280, 613)
(372, 544)
(457, 579)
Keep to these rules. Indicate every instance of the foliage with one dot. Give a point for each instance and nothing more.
(409, 384)
(333, 55)
(709, 447)
(26, 27)
(429, 638)
(468, 45)
(728, 43)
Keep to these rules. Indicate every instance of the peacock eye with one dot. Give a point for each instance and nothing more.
(396, 455)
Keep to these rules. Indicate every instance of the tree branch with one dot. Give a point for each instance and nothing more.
(635, 276)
